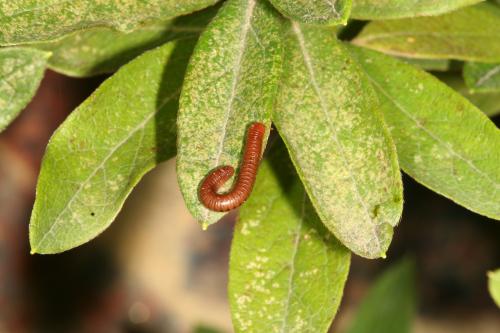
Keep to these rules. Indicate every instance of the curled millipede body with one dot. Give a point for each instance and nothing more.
(210, 186)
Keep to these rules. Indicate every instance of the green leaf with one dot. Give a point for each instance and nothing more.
(482, 77)
(315, 11)
(494, 285)
(33, 20)
(103, 50)
(394, 9)
(489, 103)
(443, 141)
(231, 82)
(337, 141)
(438, 65)
(105, 146)
(390, 305)
(287, 272)
(21, 71)
(471, 33)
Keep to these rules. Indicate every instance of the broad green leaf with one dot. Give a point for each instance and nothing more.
(443, 141)
(315, 11)
(394, 9)
(287, 272)
(231, 82)
(494, 285)
(105, 146)
(482, 77)
(34, 20)
(390, 305)
(471, 33)
(438, 65)
(103, 50)
(327, 115)
(21, 71)
(489, 103)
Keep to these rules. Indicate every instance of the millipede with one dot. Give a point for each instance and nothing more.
(239, 193)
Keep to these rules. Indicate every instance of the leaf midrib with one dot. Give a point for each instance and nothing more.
(432, 135)
(236, 75)
(58, 220)
(317, 91)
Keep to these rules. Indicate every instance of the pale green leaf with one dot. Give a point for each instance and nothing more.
(390, 305)
(287, 272)
(105, 146)
(482, 77)
(315, 11)
(103, 50)
(21, 71)
(471, 33)
(438, 65)
(231, 82)
(394, 9)
(494, 285)
(489, 102)
(337, 141)
(35, 20)
(443, 141)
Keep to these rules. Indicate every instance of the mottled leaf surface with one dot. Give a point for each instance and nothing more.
(488, 102)
(471, 33)
(101, 151)
(482, 77)
(390, 305)
(393, 9)
(32, 20)
(315, 11)
(21, 71)
(287, 272)
(443, 141)
(230, 83)
(494, 285)
(337, 141)
(103, 50)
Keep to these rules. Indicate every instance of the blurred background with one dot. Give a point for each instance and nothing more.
(155, 270)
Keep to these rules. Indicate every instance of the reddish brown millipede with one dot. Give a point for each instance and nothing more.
(224, 202)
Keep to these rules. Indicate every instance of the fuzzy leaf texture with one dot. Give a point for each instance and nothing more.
(482, 78)
(443, 141)
(394, 9)
(287, 272)
(105, 146)
(21, 71)
(231, 82)
(471, 33)
(337, 141)
(390, 305)
(315, 11)
(24, 21)
(494, 285)
(103, 50)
